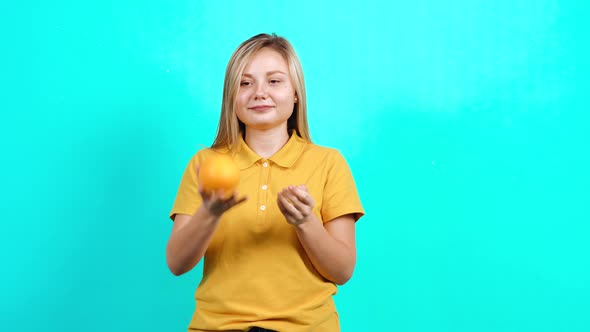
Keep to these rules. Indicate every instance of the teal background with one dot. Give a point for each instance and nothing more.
(465, 124)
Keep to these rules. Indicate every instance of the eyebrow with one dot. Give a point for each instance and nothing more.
(268, 73)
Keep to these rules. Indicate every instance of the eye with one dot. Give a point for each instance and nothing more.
(245, 83)
(275, 81)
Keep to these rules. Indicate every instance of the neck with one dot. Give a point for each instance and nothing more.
(266, 142)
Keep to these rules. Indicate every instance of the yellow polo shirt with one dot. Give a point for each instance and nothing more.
(256, 273)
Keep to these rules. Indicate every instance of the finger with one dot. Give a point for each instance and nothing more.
(289, 212)
(282, 201)
(219, 197)
(289, 196)
(302, 195)
(288, 207)
(239, 200)
(206, 195)
(222, 195)
(213, 196)
(295, 201)
(301, 187)
(231, 200)
(281, 206)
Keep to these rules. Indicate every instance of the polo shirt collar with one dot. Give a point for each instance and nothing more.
(285, 157)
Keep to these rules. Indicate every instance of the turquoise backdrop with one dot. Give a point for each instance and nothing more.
(465, 124)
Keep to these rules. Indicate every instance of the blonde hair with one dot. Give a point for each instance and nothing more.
(230, 127)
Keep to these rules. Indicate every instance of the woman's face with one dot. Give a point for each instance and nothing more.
(266, 96)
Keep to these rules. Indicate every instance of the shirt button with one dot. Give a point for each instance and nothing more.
(262, 207)
(265, 164)
(264, 187)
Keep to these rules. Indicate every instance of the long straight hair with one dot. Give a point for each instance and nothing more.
(230, 127)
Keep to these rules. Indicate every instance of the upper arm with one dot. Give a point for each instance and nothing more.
(342, 229)
(339, 195)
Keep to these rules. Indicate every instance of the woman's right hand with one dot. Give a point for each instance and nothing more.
(218, 202)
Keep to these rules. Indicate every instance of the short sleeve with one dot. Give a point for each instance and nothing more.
(188, 198)
(340, 193)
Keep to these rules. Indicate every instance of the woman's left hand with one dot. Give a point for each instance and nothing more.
(296, 204)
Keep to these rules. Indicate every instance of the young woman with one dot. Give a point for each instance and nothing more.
(275, 250)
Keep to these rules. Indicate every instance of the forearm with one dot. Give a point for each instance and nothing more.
(333, 259)
(187, 245)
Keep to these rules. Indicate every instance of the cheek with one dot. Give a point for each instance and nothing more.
(287, 100)
(241, 94)
(284, 96)
(242, 98)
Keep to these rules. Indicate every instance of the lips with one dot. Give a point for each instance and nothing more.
(260, 108)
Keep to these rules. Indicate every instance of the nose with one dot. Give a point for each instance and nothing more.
(260, 91)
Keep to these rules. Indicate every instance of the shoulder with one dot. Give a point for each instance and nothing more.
(204, 153)
(324, 152)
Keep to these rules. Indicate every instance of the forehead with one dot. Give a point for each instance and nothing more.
(266, 60)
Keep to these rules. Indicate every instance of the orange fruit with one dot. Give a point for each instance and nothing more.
(219, 171)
